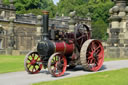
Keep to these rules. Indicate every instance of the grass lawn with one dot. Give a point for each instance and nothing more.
(11, 63)
(114, 59)
(16, 63)
(117, 77)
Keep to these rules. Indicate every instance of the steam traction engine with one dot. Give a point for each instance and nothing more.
(74, 48)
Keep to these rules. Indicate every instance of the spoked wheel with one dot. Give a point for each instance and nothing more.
(82, 33)
(57, 64)
(92, 55)
(32, 63)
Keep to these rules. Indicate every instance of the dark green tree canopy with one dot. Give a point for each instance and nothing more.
(34, 6)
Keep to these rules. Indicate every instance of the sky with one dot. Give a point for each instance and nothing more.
(55, 1)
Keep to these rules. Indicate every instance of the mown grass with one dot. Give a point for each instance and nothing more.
(117, 77)
(11, 63)
(114, 59)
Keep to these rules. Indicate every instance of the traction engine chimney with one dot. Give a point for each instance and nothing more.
(45, 25)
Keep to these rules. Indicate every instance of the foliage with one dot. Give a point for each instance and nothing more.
(6, 2)
(33, 6)
(99, 14)
(99, 29)
(96, 8)
(66, 6)
(52, 9)
(99, 10)
(116, 77)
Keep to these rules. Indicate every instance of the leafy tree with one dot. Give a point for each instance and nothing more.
(99, 30)
(33, 6)
(6, 2)
(66, 6)
(99, 9)
(52, 9)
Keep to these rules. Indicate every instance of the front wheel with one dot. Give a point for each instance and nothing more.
(33, 63)
(57, 64)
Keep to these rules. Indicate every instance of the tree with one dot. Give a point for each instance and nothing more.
(66, 6)
(99, 9)
(52, 9)
(6, 2)
(99, 30)
(33, 6)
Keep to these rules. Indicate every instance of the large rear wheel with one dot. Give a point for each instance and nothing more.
(92, 55)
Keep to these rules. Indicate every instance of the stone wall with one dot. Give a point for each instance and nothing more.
(24, 36)
(118, 32)
(21, 35)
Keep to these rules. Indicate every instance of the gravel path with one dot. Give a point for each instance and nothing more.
(23, 78)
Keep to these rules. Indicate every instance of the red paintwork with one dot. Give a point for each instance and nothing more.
(95, 48)
(32, 63)
(57, 63)
(64, 47)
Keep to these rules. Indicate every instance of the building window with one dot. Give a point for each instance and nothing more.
(1, 30)
(22, 41)
(127, 25)
(0, 43)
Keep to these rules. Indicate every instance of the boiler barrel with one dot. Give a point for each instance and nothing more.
(47, 48)
(64, 47)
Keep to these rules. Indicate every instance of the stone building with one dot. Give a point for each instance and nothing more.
(19, 33)
(118, 30)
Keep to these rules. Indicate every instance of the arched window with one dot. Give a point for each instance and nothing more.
(127, 25)
(1, 30)
(0, 43)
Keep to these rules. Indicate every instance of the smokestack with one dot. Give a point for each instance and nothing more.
(45, 25)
